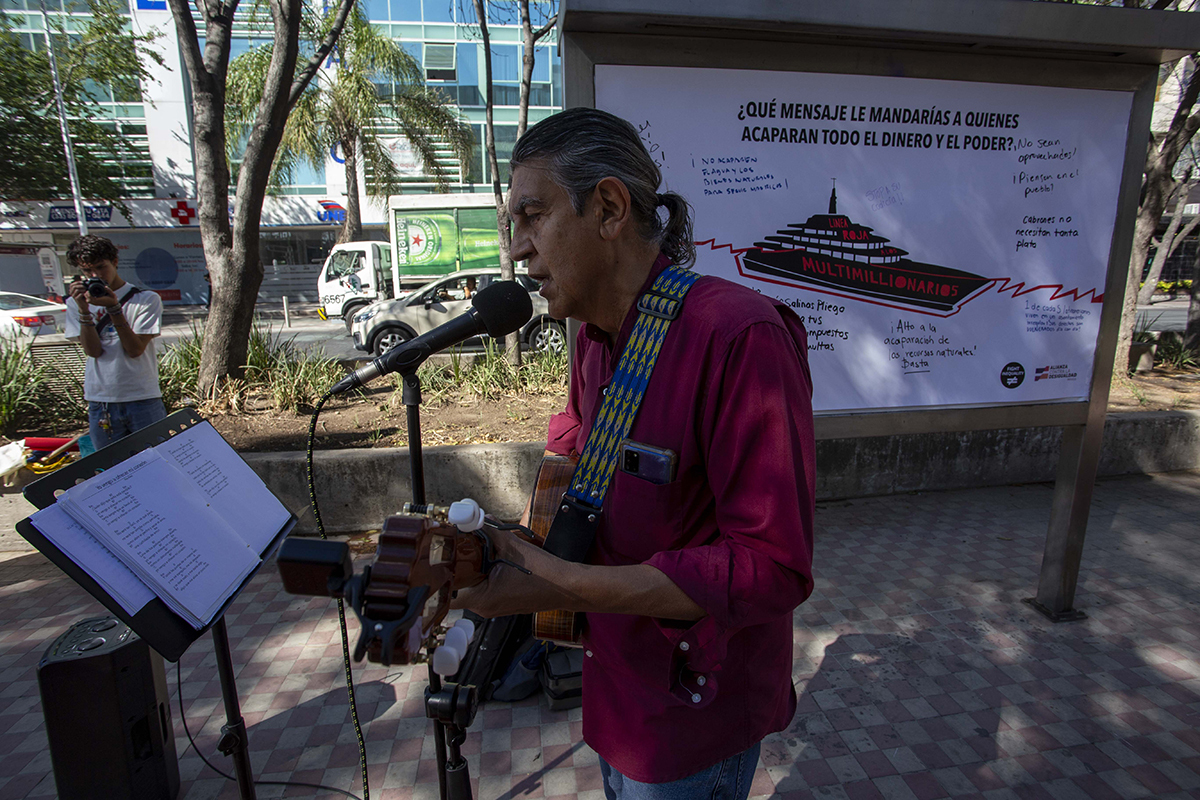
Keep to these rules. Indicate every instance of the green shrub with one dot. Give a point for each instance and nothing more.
(1173, 287)
(294, 379)
(1172, 354)
(489, 376)
(1142, 332)
(178, 369)
(28, 400)
(297, 382)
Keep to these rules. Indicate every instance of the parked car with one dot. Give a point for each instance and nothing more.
(381, 326)
(25, 315)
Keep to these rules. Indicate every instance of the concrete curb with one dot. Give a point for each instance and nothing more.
(358, 488)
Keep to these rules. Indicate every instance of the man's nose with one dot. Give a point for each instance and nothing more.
(521, 248)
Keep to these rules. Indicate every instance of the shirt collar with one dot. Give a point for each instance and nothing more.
(597, 334)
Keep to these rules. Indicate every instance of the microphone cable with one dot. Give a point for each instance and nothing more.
(341, 607)
(209, 764)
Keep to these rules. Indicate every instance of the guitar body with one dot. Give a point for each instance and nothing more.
(553, 480)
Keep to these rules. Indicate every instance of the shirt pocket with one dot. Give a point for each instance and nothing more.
(644, 518)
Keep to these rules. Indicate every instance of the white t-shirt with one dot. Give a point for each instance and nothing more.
(114, 377)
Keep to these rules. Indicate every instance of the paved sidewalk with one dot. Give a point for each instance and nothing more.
(920, 672)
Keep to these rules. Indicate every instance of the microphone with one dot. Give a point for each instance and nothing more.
(498, 310)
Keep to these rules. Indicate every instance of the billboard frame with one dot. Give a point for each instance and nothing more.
(1013, 42)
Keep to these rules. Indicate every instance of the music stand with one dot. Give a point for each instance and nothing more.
(160, 627)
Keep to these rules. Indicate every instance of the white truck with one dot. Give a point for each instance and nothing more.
(430, 235)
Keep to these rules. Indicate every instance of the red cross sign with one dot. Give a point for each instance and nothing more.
(183, 212)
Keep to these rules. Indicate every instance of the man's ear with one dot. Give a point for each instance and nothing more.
(612, 206)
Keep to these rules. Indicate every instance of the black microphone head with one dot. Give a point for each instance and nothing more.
(503, 307)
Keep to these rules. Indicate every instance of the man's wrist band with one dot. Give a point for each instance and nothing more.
(87, 322)
(116, 310)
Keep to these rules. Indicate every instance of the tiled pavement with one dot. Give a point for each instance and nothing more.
(920, 672)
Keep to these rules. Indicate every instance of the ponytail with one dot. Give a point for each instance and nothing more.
(675, 238)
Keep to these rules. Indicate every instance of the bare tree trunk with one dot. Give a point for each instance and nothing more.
(232, 250)
(530, 37)
(1146, 292)
(352, 228)
(526, 67)
(1158, 182)
(1191, 334)
(512, 342)
(1171, 240)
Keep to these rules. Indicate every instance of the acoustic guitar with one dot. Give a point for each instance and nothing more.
(553, 480)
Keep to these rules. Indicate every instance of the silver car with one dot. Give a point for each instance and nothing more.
(381, 326)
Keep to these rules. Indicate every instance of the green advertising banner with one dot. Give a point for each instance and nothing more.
(479, 242)
(441, 241)
(427, 242)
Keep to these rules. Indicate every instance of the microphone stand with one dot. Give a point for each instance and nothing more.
(452, 709)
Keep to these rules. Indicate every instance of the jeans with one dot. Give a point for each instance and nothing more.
(123, 419)
(726, 780)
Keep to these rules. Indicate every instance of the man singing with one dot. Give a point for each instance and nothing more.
(698, 563)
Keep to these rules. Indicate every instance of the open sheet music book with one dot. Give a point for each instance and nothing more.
(185, 521)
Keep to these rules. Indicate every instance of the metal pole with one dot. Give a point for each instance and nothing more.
(287, 319)
(411, 394)
(68, 148)
(234, 740)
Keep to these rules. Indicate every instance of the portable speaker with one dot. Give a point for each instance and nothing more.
(108, 715)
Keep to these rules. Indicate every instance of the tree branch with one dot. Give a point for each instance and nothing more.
(314, 63)
(542, 31)
(1175, 138)
(1183, 234)
(189, 38)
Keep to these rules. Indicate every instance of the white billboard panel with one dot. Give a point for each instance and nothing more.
(945, 243)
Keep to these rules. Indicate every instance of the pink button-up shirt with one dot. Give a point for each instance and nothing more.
(731, 396)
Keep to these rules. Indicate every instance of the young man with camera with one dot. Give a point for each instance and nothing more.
(116, 323)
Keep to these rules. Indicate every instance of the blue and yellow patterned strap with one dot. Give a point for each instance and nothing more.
(657, 307)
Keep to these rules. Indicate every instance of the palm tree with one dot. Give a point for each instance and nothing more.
(372, 83)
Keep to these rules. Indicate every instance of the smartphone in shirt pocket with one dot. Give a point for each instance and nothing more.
(652, 464)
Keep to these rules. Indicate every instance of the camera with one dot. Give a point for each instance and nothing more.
(95, 286)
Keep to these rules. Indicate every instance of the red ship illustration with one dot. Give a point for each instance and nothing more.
(831, 251)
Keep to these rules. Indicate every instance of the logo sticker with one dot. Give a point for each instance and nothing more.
(1056, 372)
(331, 211)
(1012, 376)
(183, 213)
(424, 241)
(90, 213)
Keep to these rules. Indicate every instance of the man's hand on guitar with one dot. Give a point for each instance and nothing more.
(558, 584)
(508, 590)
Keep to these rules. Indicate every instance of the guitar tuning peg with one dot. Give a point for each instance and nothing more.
(466, 514)
(458, 639)
(467, 626)
(446, 660)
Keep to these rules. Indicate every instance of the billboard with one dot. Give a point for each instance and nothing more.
(946, 243)
(435, 241)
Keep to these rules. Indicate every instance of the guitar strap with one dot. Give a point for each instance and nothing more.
(574, 527)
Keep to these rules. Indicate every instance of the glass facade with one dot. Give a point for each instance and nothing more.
(439, 34)
(441, 37)
(119, 112)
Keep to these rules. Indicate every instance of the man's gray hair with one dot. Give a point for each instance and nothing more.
(581, 146)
